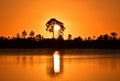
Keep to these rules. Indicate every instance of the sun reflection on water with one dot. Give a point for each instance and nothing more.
(56, 57)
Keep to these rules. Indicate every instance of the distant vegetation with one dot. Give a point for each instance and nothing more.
(30, 40)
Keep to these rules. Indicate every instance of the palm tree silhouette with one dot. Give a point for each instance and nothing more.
(51, 23)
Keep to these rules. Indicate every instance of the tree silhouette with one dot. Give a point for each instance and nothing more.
(93, 37)
(51, 23)
(78, 39)
(60, 37)
(24, 34)
(89, 38)
(18, 36)
(38, 37)
(114, 35)
(100, 38)
(31, 34)
(106, 37)
(69, 36)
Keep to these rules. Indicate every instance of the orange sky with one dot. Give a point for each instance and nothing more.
(81, 17)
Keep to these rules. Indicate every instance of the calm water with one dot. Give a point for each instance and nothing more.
(63, 65)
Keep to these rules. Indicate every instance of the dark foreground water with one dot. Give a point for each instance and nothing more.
(63, 65)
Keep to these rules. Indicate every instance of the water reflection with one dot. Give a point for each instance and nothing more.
(60, 66)
(24, 59)
(55, 64)
(56, 58)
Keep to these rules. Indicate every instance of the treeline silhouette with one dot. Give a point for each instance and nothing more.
(37, 41)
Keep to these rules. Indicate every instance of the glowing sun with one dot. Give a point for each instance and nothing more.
(56, 27)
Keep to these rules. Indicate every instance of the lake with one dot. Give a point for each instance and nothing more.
(59, 65)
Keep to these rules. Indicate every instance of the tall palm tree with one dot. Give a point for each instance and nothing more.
(51, 23)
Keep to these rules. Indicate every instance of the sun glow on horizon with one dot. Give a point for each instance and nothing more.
(56, 27)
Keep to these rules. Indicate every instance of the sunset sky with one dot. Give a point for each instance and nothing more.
(80, 17)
